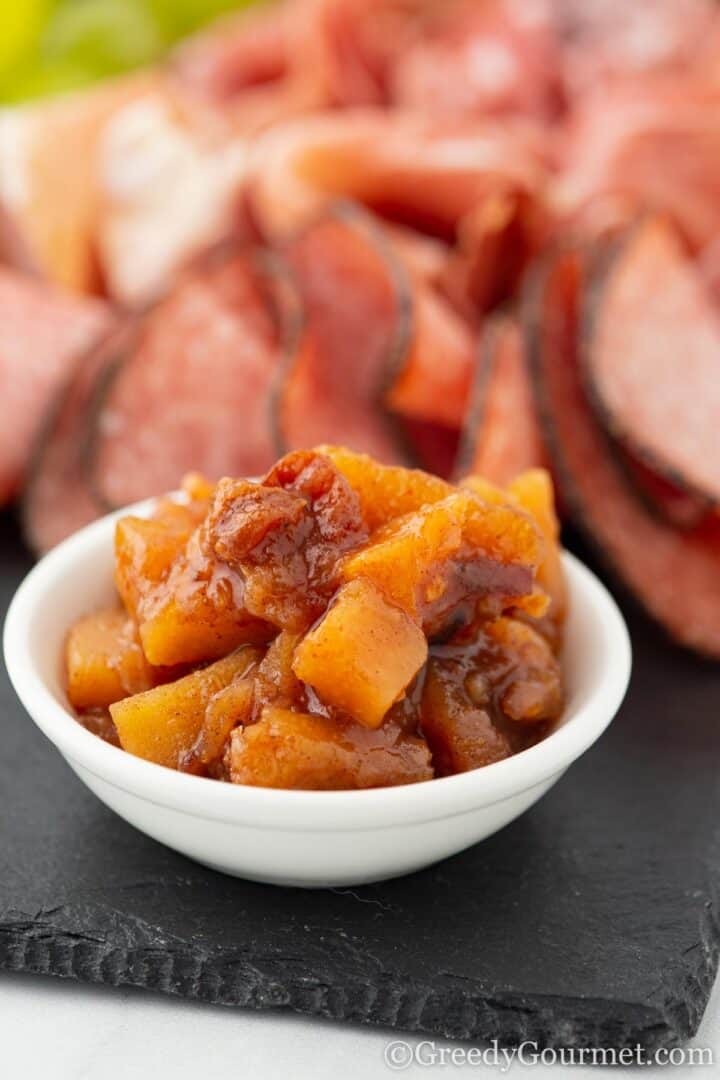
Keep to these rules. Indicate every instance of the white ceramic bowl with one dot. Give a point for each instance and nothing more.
(305, 838)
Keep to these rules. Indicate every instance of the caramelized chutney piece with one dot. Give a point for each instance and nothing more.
(269, 681)
(386, 491)
(286, 535)
(451, 560)
(289, 749)
(104, 660)
(532, 491)
(281, 735)
(362, 655)
(492, 690)
(188, 606)
(162, 724)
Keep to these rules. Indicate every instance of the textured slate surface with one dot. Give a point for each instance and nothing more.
(593, 920)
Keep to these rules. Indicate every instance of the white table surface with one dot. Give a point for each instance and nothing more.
(58, 1030)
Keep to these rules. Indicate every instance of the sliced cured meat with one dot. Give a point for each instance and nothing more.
(653, 359)
(480, 59)
(169, 186)
(675, 575)
(434, 446)
(58, 499)
(496, 241)
(502, 435)
(192, 393)
(709, 266)
(431, 384)
(432, 380)
(363, 40)
(426, 257)
(237, 53)
(358, 323)
(680, 508)
(403, 167)
(43, 332)
(608, 37)
(259, 67)
(48, 180)
(648, 143)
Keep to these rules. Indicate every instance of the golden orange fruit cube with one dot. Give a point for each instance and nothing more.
(362, 655)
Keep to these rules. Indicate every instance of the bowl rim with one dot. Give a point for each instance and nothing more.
(324, 811)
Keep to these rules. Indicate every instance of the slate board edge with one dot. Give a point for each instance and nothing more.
(451, 1008)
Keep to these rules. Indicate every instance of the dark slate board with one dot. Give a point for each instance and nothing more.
(593, 920)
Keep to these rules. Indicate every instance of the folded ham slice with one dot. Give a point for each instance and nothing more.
(412, 171)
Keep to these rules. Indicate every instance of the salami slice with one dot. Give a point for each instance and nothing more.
(43, 331)
(358, 323)
(57, 499)
(502, 435)
(674, 574)
(193, 391)
(652, 359)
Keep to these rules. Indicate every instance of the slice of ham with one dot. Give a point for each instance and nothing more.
(406, 169)
(646, 144)
(363, 40)
(652, 359)
(192, 391)
(502, 435)
(58, 499)
(170, 184)
(238, 53)
(666, 500)
(260, 66)
(432, 380)
(43, 333)
(675, 575)
(48, 181)
(498, 57)
(358, 325)
(605, 38)
(496, 242)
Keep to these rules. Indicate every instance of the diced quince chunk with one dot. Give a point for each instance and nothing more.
(533, 491)
(105, 661)
(162, 724)
(145, 550)
(385, 491)
(458, 549)
(192, 627)
(362, 655)
(188, 606)
(288, 749)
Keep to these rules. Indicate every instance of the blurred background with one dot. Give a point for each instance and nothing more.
(48, 46)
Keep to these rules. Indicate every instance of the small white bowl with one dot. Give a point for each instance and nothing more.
(306, 838)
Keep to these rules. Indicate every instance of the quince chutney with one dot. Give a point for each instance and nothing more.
(338, 624)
